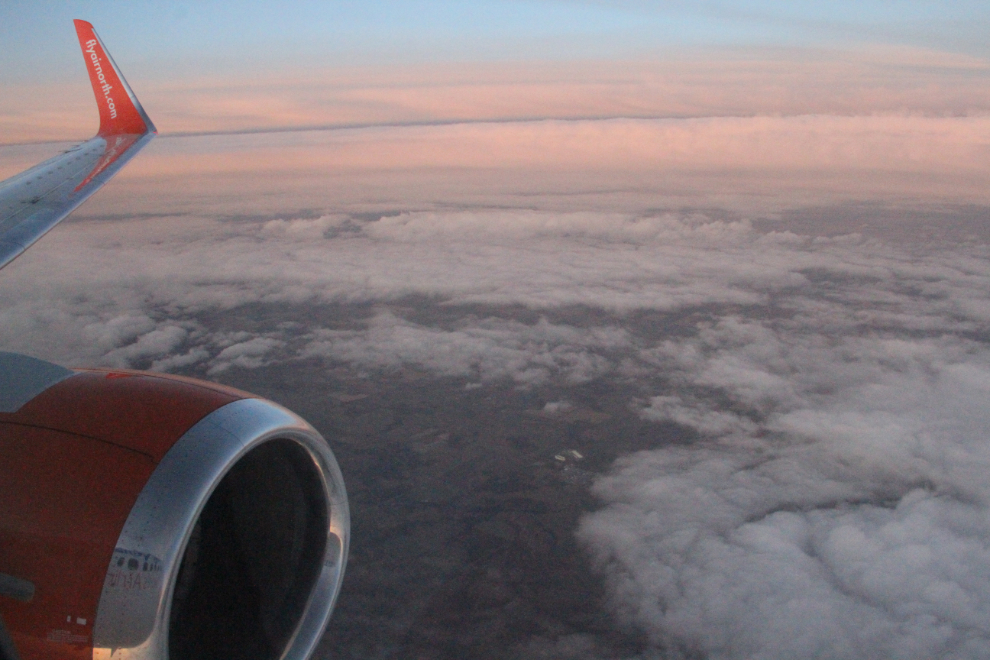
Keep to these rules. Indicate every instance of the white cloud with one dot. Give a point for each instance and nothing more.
(193, 356)
(118, 330)
(706, 422)
(248, 354)
(850, 522)
(153, 344)
(488, 349)
(150, 272)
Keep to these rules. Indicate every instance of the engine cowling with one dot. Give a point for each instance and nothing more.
(148, 516)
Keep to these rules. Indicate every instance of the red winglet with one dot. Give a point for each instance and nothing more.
(120, 112)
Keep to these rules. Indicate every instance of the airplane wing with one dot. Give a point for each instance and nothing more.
(34, 201)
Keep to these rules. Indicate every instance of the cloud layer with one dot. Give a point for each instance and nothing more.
(834, 505)
(758, 166)
(827, 495)
(682, 82)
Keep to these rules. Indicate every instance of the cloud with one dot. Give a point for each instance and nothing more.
(487, 349)
(746, 165)
(679, 82)
(156, 343)
(755, 165)
(163, 272)
(837, 508)
(820, 142)
(248, 354)
(706, 422)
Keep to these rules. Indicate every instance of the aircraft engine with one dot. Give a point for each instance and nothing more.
(147, 516)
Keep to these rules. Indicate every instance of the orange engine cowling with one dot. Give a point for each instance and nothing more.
(146, 516)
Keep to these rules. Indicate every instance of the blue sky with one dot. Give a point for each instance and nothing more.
(158, 36)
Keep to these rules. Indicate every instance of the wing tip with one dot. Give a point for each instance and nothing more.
(120, 111)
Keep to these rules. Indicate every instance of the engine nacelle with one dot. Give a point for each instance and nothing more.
(148, 516)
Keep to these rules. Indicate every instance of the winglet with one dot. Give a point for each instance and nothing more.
(120, 111)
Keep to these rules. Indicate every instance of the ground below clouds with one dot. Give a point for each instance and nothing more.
(464, 504)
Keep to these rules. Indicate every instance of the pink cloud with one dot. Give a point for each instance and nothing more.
(696, 84)
(756, 164)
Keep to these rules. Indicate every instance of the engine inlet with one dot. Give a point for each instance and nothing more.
(238, 543)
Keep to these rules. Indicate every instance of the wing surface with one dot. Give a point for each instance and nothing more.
(34, 201)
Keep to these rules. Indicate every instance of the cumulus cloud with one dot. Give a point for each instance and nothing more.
(706, 422)
(489, 349)
(835, 504)
(152, 344)
(248, 354)
(152, 277)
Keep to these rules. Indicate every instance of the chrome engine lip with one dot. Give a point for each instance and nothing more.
(135, 606)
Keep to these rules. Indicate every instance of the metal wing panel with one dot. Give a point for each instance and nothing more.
(34, 201)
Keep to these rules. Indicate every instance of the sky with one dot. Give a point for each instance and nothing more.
(755, 233)
(222, 66)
